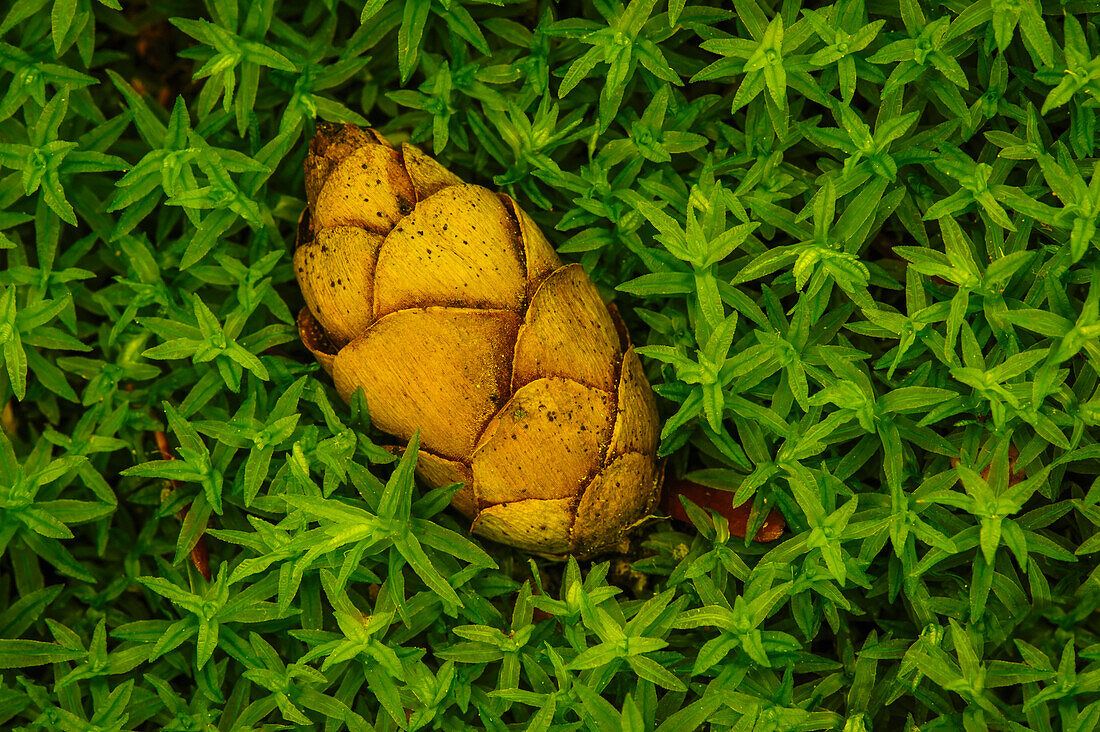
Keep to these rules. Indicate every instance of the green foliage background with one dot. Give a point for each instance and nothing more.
(858, 245)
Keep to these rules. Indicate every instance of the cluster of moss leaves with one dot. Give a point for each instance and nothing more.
(857, 241)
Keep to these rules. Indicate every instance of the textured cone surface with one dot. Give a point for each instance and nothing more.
(448, 307)
(547, 442)
(407, 364)
(568, 333)
(335, 271)
(435, 257)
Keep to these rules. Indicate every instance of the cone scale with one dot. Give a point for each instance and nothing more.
(445, 303)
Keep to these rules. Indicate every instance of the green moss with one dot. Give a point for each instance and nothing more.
(854, 244)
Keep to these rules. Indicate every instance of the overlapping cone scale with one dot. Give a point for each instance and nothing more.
(445, 303)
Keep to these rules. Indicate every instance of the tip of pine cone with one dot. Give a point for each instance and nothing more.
(326, 128)
(330, 137)
(331, 144)
(336, 141)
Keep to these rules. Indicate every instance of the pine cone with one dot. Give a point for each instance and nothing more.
(451, 310)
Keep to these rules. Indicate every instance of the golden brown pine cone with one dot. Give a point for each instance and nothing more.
(448, 306)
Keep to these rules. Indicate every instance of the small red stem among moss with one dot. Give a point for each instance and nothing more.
(199, 555)
(1013, 476)
(720, 502)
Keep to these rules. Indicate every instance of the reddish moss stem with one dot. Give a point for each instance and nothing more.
(720, 502)
(1013, 476)
(199, 555)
